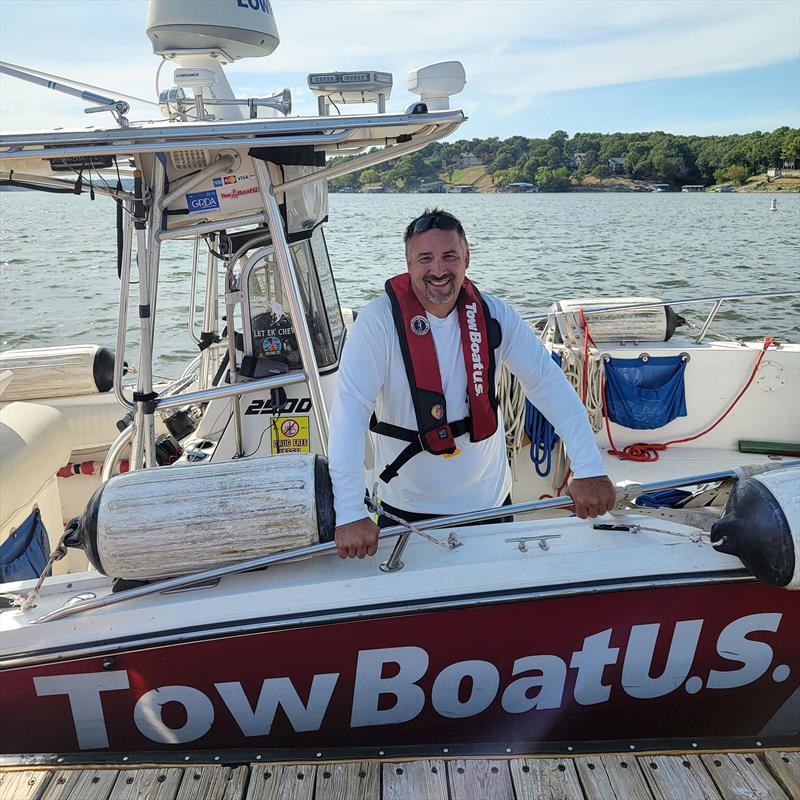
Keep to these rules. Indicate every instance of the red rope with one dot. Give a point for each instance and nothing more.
(587, 337)
(642, 451)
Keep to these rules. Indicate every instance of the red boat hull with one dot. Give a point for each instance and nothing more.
(700, 662)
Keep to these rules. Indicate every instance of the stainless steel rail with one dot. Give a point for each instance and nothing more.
(224, 163)
(124, 294)
(113, 453)
(540, 317)
(387, 533)
(211, 227)
(193, 289)
(67, 186)
(709, 319)
(231, 390)
(283, 258)
(209, 357)
(128, 148)
(345, 167)
(200, 134)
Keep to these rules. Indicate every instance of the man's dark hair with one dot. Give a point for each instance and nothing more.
(434, 218)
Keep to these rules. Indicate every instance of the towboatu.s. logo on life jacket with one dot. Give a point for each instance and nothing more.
(475, 340)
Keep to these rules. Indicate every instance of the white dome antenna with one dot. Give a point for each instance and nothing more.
(201, 37)
(236, 28)
(437, 83)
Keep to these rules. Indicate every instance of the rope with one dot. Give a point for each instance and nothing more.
(645, 451)
(375, 507)
(542, 440)
(511, 403)
(24, 602)
(587, 382)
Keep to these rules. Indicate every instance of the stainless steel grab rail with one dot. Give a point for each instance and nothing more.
(482, 515)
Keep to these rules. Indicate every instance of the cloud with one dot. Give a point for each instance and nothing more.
(732, 124)
(539, 46)
(515, 51)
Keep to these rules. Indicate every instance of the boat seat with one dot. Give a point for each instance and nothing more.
(35, 443)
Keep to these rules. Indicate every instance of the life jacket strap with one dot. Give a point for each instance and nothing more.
(390, 471)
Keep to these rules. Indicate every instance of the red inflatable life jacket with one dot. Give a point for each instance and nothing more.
(480, 335)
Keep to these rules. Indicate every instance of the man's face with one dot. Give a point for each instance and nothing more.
(437, 261)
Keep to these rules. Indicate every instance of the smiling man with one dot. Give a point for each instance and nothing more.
(419, 371)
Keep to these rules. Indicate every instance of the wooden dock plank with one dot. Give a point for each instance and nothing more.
(625, 775)
(545, 779)
(786, 769)
(595, 780)
(360, 780)
(81, 784)
(415, 780)
(742, 776)
(25, 784)
(147, 784)
(214, 783)
(281, 782)
(483, 778)
(682, 776)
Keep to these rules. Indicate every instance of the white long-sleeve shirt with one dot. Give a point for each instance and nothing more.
(372, 377)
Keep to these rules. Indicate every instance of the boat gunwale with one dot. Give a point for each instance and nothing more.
(279, 622)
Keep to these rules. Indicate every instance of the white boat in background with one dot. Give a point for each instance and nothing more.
(201, 592)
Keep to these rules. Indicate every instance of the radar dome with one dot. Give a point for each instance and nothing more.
(238, 28)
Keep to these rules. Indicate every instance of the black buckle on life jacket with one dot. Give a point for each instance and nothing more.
(414, 439)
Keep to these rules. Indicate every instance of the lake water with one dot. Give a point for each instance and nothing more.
(58, 280)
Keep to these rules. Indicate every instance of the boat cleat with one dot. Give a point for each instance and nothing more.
(522, 541)
(453, 541)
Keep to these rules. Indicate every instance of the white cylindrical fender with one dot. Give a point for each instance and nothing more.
(44, 372)
(761, 526)
(158, 523)
(649, 324)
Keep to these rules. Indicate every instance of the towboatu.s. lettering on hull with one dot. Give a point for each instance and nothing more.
(713, 661)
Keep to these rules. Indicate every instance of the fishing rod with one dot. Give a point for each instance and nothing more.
(185, 581)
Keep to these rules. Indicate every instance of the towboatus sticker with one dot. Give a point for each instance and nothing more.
(713, 661)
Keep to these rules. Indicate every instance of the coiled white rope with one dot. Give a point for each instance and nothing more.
(511, 402)
(573, 367)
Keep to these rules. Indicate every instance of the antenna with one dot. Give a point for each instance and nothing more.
(116, 107)
(201, 37)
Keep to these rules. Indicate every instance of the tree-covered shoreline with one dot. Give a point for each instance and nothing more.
(560, 162)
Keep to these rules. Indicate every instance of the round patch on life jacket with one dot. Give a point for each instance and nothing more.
(437, 412)
(420, 325)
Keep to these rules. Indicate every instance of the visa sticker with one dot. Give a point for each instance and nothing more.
(198, 202)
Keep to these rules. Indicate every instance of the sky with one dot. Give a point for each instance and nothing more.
(533, 66)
